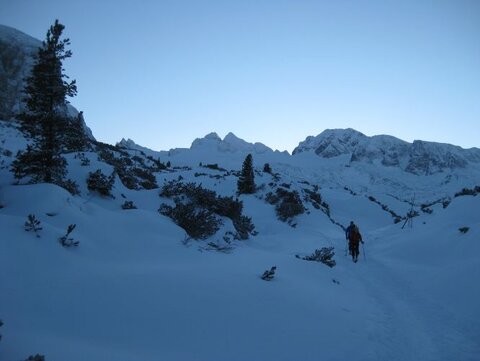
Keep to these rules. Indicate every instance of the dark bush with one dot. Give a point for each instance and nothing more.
(269, 274)
(37, 357)
(323, 255)
(99, 182)
(209, 200)
(128, 205)
(198, 223)
(468, 192)
(464, 229)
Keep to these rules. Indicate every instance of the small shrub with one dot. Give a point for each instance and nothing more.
(99, 182)
(313, 197)
(323, 255)
(209, 200)
(269, 274)
(33, 225)
(468, 192)
(289, 206)
(198, 223)
(84, 161)
(267, 168)
(214, 167)
(288, 203)
(71, 186)
(464, 229)
(244, 226)
(66, 240)
(37, 357)
(128, 205)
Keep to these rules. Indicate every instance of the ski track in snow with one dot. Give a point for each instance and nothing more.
(408, 325)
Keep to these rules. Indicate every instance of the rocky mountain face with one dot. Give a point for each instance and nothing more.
(17, 51)
(419, 157)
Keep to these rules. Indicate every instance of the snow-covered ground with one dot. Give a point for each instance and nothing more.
(132, 290)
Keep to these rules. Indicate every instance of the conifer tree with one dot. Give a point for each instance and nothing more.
(246, 182)
(46, 111)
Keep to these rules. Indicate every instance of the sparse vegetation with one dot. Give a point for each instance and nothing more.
(33, 225)
(99, 182)
(37, 357)
(128, 205)
(323, 255)
(209, 200)
(468, 192)
(267, 168)
(197, 222)
(287, 203)
(66, 240)
(269, 274)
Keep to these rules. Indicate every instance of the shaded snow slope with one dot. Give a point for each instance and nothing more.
(132, 290)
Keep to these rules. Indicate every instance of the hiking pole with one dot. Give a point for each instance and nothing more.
(364, 256)
(346, 248)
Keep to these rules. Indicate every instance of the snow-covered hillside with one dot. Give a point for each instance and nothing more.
(137, 289)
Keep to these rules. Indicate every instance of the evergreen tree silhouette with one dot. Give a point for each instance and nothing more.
(46, 115)
(246, 182)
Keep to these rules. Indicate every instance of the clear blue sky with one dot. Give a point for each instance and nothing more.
(166, 72)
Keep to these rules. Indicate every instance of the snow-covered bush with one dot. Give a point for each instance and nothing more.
(32, 224)
(267, 168)
(468, 192)
(66, 240)
(209, 200)
(323, 255)
(214, 167)
(287, 203)
(99, 182)
(313, 197)
(269, 274)
(197, 222)
(132, 171)
(244, 226)
(128, 205)
(71, 186)
(84, 161)
(37, 357)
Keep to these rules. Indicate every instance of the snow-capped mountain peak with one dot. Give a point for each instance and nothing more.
(230, 144)
(419, 157)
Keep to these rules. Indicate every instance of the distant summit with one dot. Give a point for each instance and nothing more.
(230, 144)
(419, 157)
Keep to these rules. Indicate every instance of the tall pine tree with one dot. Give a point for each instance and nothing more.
(45, 117)
(246, 181)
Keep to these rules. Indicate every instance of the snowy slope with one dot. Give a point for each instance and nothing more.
(133, 291)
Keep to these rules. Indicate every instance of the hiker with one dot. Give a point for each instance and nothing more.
(354, 238)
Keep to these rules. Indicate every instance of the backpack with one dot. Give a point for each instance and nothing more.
(354, 234)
